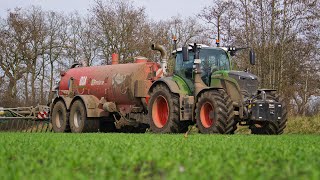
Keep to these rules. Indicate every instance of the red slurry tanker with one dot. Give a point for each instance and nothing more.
(117, 93)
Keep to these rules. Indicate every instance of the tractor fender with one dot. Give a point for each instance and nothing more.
(206, 89)
(66, 100)
(172, 85)
(91, 103)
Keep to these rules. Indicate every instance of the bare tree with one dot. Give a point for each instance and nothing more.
(186, 30)
(55, 44)
(13, 44)
(36, 26)
(119, 28)
(219, 17)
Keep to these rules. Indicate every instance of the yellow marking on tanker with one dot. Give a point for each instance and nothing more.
(96, 82)
(2, 111)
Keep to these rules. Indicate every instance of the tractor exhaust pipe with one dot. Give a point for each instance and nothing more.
(164, 61)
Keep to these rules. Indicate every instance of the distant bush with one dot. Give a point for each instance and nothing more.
(295, 125)
(303, 125)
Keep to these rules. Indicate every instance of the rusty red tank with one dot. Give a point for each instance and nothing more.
(89, 98)
(115, 83)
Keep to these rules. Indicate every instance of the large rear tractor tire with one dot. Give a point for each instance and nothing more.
(272, 128)
(59, 118)
(163, 110)
(214, 113)
(79, 122)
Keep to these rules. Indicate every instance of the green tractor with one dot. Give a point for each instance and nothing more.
(205, 90)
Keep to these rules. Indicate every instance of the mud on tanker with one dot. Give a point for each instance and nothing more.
(203, 91)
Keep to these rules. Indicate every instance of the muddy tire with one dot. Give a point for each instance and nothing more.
(79, 123)
(163, 110)
(213, 113)
(231, 122)
(272, 128)
(59, 118)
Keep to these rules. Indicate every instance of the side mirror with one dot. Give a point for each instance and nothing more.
(185, 53)
(252, 57)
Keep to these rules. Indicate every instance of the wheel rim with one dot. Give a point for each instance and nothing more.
(206, 116)
(160, 111)
(77, 119)
(59, 119)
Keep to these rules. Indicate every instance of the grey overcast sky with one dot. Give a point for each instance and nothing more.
(155, 9)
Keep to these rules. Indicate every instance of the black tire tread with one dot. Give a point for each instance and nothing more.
(89, 125)
(173, 125)
(273, 128)
(231, 122)
(65, 127)
(216, 97)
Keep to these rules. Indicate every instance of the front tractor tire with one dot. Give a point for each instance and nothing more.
(271, 127)
(214, 113)
(163, 109)
(59, 117)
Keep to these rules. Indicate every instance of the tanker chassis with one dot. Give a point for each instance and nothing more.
(203, 90)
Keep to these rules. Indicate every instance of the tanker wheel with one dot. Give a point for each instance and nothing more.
(212, 113)
(79, 122)
(163, 110)
(59, 117)
(272, 128)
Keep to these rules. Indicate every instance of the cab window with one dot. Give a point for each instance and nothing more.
(211, 60)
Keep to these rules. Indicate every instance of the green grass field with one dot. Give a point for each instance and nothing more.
(152, 156)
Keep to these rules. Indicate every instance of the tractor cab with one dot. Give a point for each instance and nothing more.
(212, 60)
(215, 65)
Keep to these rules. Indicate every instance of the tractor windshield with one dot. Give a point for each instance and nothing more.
(211, 60)
(214, 59)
